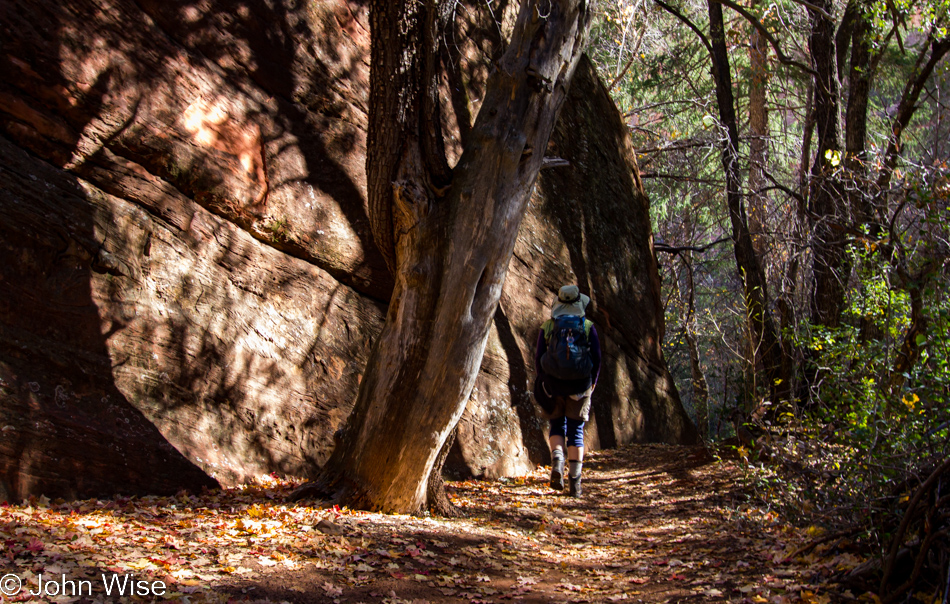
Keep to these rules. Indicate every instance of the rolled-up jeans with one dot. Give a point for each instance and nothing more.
(569, 416)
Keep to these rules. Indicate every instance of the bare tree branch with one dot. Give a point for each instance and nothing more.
(687, 22)
(622, 73)
(777, 185)
(669, 249)
(678, 178)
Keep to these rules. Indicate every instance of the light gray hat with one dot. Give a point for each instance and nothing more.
(570, 301)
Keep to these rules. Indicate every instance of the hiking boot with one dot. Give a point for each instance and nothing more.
(557, 476)
(576, 490)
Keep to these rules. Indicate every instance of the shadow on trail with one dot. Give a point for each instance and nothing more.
(657, 523)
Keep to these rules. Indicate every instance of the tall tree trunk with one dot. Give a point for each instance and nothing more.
(766, 340)
(827, 209)
(758, 142)
(448, 235)
(854, 31)
(860, 75)
(699, 383)
(808, 131)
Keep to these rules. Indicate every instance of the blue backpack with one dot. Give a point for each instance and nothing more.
(568, 353)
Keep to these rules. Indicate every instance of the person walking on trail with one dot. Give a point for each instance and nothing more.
(567, 362)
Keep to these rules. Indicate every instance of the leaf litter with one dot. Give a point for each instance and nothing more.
(657, 523)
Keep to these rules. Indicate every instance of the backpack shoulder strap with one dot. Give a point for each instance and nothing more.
(547, 327)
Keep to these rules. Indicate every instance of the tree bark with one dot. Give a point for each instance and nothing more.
(808, 129)
(758, 142)
(700, 386)
(827, 208)
(765, 338)
(437, 500)
(860, 75)
(448, 235)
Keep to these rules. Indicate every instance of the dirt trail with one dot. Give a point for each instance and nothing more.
(656, 524)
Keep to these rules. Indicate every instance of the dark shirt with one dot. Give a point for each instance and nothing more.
(556, 387)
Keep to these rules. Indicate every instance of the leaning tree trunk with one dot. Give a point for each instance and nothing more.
(766, 342)
(938, 46)
(448, 234)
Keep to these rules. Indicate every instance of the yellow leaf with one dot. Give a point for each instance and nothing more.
(910, 400)
(255, 511)
(833, 157)
(141, 564)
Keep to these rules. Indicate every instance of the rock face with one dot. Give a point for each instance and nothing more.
(188, 284)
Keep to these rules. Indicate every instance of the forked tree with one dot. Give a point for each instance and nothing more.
(447, 233)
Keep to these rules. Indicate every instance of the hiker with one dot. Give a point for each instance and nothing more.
(567, 361)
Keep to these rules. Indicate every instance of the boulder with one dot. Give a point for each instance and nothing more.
(189, 288)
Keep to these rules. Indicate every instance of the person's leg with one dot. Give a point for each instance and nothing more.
(575, 453)
(574, 432)
(556, 440)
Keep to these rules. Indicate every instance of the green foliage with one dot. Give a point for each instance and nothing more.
(278, 228)
(888, 424)
(872, 413)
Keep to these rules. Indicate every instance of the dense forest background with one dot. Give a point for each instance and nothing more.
(796, 158)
